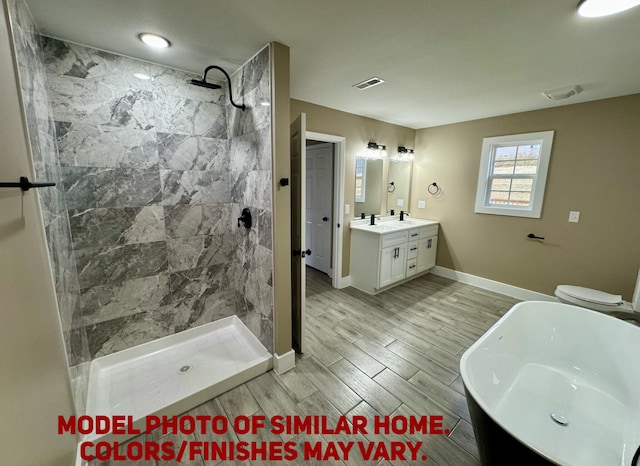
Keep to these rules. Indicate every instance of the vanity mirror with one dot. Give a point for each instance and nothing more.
(399, 184)
(368, 187)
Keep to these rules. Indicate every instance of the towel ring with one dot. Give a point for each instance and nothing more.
(433, 188)
(391, 188)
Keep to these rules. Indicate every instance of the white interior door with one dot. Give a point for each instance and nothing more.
(319, 191)
(299, 252)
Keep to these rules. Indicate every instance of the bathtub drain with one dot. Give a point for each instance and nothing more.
(559, 419)
(184, 369)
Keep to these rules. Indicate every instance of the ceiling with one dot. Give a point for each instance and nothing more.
(443, 61)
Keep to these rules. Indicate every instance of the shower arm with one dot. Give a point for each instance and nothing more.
(204, 79)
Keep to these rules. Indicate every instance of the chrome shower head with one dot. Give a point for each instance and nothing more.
(203, 83)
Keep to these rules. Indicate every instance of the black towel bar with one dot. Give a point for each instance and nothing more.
(25, 184)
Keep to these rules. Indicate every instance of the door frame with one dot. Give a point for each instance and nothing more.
(338, 202)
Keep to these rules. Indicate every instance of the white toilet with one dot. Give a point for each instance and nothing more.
(599, 300)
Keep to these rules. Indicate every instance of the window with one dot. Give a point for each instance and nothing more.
(361, 176)
(513, 173)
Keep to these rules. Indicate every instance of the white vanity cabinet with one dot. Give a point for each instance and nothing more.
(427, 245)
(391, 252)
(393, 259)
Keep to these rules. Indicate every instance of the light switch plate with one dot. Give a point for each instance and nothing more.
(574, 217)
(400, 202)
(347, 208)
(422, 204)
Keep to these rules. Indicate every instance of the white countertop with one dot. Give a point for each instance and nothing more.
(390, 224)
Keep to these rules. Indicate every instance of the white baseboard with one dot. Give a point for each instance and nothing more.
(344, 282)
(282, 364)
(491, 285)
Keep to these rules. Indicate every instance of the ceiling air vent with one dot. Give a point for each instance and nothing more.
(367, 83)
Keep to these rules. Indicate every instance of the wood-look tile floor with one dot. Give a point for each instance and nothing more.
(396, 353)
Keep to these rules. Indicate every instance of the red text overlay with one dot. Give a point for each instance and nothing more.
(204, 444)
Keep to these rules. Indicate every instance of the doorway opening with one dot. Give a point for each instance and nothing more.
(324, 187)
(329, 234)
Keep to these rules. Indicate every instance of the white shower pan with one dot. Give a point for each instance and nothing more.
(174, 374)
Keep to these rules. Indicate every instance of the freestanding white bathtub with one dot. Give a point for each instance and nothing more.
(551, 383)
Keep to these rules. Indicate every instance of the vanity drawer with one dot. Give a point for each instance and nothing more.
(393, 239)
(426, 231)
(412, 250)
(414, 234)
(412, 266)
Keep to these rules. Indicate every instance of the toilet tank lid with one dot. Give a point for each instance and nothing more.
(592, 296)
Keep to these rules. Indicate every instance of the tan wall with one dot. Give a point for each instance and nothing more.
(281, 199)
(34, 378)
(358, 131)
(594, 169)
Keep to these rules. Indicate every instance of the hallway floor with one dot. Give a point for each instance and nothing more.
(396, 353)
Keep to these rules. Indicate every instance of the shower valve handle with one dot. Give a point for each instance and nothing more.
(245, 218)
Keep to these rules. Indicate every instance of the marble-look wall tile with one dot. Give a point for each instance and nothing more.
(178, 83)
(181, 115)
(73, 60)
(42, 139)
(263, 144)
(108, 227)
(194, 312)
(257, 114)
(183, 220)
(199, 283)
(131, 148)
(106, 302)
(264, 228)
(88, 187)
(125, 332)
(257, 190)
(194, 187)
(116, 265)
(94, 102)
(183, 152)
(104, 146)
(62, 259)
(198, 251)
(243, 157)
(52, 202)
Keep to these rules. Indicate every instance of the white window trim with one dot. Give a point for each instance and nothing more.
(534, 210)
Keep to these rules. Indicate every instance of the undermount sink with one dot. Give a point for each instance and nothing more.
(382, 227)
(389, 226)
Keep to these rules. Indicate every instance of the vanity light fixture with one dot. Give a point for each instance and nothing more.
(562, 93)
(597, 8)
(154, 40)
(374, 151)
(403, 155)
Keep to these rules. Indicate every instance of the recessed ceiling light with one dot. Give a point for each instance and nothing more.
(143, 76)
(596, 8)
(154, 40)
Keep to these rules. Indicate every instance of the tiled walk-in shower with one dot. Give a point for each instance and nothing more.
(151, 176)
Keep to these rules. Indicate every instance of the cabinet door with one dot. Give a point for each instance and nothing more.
(427, 253)
(392, 265)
